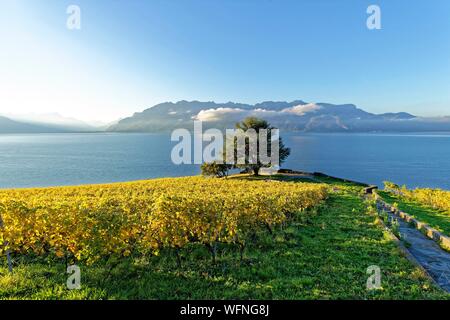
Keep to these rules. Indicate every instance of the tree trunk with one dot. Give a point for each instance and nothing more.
(8, 254)
(178, 256)
(213, 250)
(256, 171)
(241, 251)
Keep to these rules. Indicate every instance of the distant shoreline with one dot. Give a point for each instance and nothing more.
(406, 133)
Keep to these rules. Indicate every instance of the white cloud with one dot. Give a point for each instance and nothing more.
(219, 113)
(237, 114)
(302, 109)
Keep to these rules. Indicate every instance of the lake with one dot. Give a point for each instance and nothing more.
(417, 160)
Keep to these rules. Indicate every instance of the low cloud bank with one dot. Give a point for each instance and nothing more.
(218, 114)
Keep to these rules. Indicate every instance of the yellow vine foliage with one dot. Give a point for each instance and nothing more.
(88, 223)
(435, 198)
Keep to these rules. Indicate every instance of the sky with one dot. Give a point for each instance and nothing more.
(130, 55)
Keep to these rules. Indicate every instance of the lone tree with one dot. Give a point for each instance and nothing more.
(254, 165)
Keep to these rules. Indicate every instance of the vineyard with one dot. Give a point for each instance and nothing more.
(200, 238)
(435, 198)
(89, 223)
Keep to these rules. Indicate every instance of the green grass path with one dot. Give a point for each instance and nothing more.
(434, 218)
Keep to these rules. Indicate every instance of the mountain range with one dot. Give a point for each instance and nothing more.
(297, 115)
(290, 116)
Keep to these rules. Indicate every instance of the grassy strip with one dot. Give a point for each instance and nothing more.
(322, 256)
(434, 218)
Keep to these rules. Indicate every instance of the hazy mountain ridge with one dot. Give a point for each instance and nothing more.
(11, 126)
(54, 120)
(292, 116)
(45, 123)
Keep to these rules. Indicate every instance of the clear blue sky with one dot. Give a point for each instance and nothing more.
(130, 55)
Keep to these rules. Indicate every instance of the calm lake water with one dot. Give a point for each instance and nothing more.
(417, 160)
